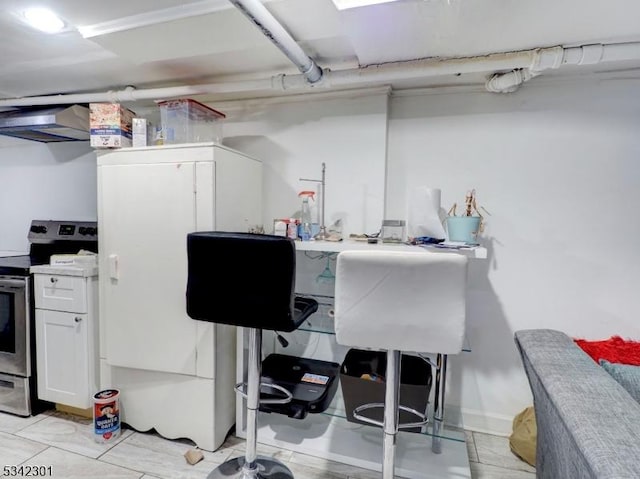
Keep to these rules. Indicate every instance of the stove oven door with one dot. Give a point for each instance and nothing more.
(14, 326)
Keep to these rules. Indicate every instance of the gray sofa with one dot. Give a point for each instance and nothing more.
(588, 425)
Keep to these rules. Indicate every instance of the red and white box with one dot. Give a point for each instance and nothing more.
(110, 125)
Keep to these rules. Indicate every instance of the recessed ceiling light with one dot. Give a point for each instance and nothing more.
(344, 4)
(44, 20)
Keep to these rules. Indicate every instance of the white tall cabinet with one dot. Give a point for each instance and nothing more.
(175, 374)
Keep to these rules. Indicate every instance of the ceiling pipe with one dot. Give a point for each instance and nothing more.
(528, 63)
(510, 81)
(255, 11)
(374, 74)
(130, 94)
(556, 57)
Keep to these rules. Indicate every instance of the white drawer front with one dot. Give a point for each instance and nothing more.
(61, 293)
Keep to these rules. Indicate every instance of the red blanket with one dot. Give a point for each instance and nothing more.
(614, 350)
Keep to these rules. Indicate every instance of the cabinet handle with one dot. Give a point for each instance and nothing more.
(54, 280)
(113, 266)
(77, 319)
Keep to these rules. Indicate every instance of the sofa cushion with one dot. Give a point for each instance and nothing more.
(628, 376)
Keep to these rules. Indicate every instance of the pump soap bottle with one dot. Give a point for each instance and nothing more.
(305, 215)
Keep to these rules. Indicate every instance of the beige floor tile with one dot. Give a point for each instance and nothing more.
(12, 424)
(68, 465)
(73, 453)
(495, 451)
(333, 467)
(471, 446)
(307, 472)
(265, 450)
(154, 455)
(486, 471)
(15, 450)
(232, 441)
(71, 433)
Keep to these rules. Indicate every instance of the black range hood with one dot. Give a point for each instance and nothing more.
(66, 123)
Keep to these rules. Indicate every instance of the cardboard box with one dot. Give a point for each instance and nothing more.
(110, 125)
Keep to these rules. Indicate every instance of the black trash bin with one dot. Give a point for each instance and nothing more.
(362, 380)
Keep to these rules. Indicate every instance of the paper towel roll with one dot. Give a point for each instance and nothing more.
(423, 217)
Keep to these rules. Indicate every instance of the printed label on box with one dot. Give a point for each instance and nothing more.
(315, 378)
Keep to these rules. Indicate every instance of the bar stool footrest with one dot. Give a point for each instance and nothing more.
(374, 422)
(240, 389)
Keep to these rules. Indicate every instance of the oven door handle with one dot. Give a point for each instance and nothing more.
(10, 285)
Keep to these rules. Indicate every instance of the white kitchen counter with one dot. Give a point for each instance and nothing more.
(7, 253)
(67, 270)
(478, 252)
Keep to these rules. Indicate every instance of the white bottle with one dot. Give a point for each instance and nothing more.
(280, 228)
(292, 228)
(305, 218)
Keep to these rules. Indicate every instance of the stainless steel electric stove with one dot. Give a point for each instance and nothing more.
(18, 392)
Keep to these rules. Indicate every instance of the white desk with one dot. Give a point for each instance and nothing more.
(477, 252)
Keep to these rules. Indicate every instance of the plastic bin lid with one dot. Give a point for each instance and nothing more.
(196, 108)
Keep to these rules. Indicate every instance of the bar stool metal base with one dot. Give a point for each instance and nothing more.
(266, 468)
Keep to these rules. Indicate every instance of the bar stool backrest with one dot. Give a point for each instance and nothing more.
(406, 301)
(241, 279)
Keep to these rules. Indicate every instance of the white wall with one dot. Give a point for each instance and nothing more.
(43, 181)
(293, 139)
(558, 168)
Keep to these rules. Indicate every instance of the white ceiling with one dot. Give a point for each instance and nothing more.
(156, 43)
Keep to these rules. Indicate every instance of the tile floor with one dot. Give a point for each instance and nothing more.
(66, 443)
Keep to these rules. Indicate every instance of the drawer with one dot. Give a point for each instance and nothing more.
(60, 293)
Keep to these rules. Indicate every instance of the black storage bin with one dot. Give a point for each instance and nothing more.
(415, 384)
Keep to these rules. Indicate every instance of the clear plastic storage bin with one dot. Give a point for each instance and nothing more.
(189, 121)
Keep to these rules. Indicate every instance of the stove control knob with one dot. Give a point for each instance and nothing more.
(38, 229)
(87, 230)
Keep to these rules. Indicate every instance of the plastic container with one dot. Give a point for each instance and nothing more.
(393, 231)
(189, 121)
(106, 415)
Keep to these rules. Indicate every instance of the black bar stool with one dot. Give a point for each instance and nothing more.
(247, 280)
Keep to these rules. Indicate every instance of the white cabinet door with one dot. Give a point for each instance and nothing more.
(63, 369)
(145, 213)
